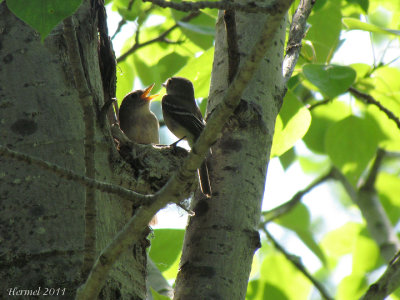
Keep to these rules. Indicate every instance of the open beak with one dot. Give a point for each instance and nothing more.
(146, 92)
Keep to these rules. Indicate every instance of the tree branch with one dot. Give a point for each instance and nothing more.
(160, 38)
(289, 205)
(318, 103)
(387, 283)
(299, 265)
(222, 5)
(136, 198)
(378, 223)
(176, 187)
(296, 34)
(368, 99)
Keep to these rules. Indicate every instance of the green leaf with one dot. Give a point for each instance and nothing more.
(198, 70)
(43, 15)
(298, 220)
(122, 7)
(354, 24)
(298, 217)
(331, 80)
(323, 117)
(200, 30)
(166, 247)
(125, 78)
(351, 143)
(170, 64)
(352, 287)
(292, 124)
(157, 296)
(365, 255)
(325, 30)
(287, 158)
(274, 268)
(388, 187)
(341, 241)
(364, 4)
(205, 30)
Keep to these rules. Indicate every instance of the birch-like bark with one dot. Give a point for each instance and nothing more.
(42, 215)
(222, 236)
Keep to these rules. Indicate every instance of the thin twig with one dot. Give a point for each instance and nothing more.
(299, 265)
(136, 198)
(297, 32)
(289, 205)
(222, 5)
(160, 38)
(368, 99)
(86, 101)
(174, 190)
(318, 103)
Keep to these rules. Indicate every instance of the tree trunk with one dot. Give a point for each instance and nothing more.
(222, 236)
(42, 216)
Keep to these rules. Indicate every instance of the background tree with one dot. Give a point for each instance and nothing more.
(347, 117)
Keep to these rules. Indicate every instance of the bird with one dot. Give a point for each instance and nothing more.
(183, 118)
(136, 120)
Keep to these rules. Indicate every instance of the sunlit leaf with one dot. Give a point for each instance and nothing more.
(331, 80)
(198, 70)
(166, 247)
(351, 143)
(352, 23)
(325, 30)
(43, 15)
(293, 123)
(352, 287)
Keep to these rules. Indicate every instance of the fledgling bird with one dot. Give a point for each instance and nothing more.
(136, 120)
(183, 118)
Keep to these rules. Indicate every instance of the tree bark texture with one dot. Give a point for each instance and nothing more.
(222, 237)
(42, 229)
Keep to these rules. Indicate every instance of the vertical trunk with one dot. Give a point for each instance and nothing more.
(222, 236)
(42, 219)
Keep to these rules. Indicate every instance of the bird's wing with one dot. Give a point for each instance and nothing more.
(183, 116)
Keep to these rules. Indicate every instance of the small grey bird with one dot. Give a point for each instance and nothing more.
(183, 118)
(136, 120)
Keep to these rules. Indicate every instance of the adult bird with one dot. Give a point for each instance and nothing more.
(183, 118)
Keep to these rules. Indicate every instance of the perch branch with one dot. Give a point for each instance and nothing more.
(175, 188)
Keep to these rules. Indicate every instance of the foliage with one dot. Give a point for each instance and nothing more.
(318, 112)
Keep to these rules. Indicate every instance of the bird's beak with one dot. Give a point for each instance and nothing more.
(146, 92)
(164, 84)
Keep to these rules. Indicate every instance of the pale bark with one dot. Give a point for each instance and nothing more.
(222, 236)
(42, 216)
